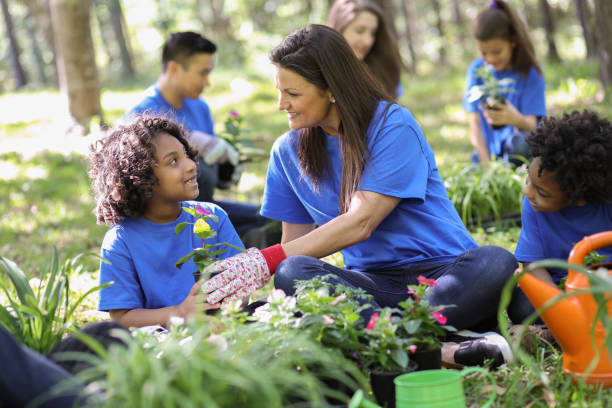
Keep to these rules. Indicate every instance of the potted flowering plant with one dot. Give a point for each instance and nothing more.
(385, 354)
(492, 90)
(205, 255)
(424, 324)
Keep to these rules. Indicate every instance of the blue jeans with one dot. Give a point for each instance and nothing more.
(26, 375)
(473, 283)
(244, 216)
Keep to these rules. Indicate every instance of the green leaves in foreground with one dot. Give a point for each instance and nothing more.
(39, 317)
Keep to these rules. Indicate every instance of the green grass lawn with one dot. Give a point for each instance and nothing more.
(45, 200)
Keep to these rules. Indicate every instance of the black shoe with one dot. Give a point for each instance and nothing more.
(477, 348)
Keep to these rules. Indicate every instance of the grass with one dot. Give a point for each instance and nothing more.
(45, 201)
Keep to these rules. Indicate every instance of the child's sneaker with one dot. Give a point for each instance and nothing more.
(476, 348)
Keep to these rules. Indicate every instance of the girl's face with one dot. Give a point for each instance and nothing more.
(306, 104)
(361, 33)
(497, 52)
(175, 171)
(543, 191)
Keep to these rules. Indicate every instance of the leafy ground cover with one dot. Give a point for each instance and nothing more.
(45, 201)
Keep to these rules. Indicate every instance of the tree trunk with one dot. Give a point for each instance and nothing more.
(78, 74)
(408, 24)
(549, 28)
(107, 41)
(458, 21)
(118, 24)
(38, 59)
(18, 72)
(39, 9)
(585, 18)
(440, 29)
(603, 16)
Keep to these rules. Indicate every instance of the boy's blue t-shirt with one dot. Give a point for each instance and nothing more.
(142, 255)
(546, 235)
(529, 99)
(193, 115)
(424, 227)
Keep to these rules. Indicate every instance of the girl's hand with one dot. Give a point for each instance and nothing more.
(504, 114)
(192, 302)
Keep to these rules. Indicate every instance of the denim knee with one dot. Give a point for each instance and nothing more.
(499, 260)
(294, 268)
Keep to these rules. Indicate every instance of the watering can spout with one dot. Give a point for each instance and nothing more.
(565, 319)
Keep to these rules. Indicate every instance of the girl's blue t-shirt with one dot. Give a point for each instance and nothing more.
(424, 227)
(529, 99)
(142, 256)
(552, 235)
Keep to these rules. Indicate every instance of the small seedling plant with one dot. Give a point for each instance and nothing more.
(492, 92)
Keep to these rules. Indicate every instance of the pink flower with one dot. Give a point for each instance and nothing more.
(234, 114)
(412, 293)
(327, 319)
(202, 211)
(412, 348)
(439, 317)
(426, 281)
(372, 322)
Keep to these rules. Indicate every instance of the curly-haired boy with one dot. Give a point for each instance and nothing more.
(568, 190)
(142, 174)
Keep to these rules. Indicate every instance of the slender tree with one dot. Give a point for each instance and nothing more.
(118, 23)
(20, 76)
(408, 28)
(440, 28)
(40, 10)
(34, 47)
(603, 16)
(549, 28)
(78, 74)
(586, 22)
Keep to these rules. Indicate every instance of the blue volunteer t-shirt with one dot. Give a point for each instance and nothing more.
(193, 115)
(424, 227)
(529, 99)
(553, 235)
(142, 255)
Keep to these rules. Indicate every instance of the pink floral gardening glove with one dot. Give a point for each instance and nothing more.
(241, 275)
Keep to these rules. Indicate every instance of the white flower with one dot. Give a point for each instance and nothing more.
(327, 319)
(219, 341)
(176, 321)
(338, 299)
(276, 296)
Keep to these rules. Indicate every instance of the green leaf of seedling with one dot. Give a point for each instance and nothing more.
(411, 326)
(185, 258)
(18, 278)
(400, 357)
(179, 227)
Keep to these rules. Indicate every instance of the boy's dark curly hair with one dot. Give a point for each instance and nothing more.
(578, 148)
(121, 167)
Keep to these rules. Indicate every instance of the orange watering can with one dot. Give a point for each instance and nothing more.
(571, 319)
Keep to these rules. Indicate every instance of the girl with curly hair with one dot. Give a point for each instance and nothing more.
(143, 173)
(568, 193)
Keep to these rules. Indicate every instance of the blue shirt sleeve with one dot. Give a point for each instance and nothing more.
(532, 97)
(397, 164)
(530, 247)
(117, 266)
(280, 202)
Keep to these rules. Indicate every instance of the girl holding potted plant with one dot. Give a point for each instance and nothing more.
(355, 174)
(500, 120)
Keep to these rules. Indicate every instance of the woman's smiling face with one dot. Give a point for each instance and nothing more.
(306, 104)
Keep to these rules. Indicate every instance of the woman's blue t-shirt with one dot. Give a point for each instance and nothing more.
(552, 235)
(142, 255)
(529, 99)
(424, 227)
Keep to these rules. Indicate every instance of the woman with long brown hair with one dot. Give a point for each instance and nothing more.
(365, 28)
(355, 174)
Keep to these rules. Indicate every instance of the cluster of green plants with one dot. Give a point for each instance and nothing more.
(39, 315)
(484, 194)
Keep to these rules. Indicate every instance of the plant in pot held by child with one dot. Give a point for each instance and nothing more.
(423, 323)
(207, 254)
(491, 92)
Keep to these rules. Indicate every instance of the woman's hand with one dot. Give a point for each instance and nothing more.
(241, 275)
